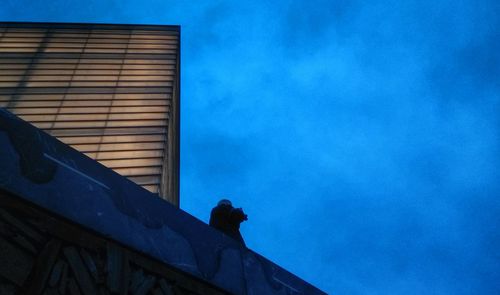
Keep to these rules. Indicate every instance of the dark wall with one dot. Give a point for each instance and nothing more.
(45, 254)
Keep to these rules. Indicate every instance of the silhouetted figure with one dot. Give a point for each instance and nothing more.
(227, 219)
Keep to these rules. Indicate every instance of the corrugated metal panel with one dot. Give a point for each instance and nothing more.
(110, 91)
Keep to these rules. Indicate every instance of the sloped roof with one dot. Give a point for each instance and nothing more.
(41, 169)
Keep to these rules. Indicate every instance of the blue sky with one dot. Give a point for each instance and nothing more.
(362, 138)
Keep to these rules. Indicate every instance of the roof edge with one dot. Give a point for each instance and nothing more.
(70, 25)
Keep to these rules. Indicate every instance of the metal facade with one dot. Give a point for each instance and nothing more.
(109, 91)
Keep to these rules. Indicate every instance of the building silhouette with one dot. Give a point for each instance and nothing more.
(89, 138)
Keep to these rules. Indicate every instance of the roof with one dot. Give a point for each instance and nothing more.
(40, 169)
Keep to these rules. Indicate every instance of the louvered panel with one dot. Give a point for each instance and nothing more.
(109, 91)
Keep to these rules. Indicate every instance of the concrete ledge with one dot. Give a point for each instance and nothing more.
(38, 168)
(46, 254)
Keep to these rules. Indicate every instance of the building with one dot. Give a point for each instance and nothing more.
(109, 91)
(97, 98)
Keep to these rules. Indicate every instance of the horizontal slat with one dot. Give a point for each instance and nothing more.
(143, 130)
(89, 34)
(84, 84)
(128, 69)
(115, 155)
(63, 44)
(27, 34)
(83, 90)
(91, 111)
(92, 56)
(110, 147)
(81, 67)
(16, 106)
(93, 47)
(100, 124)
(53, 40)
(147, 179)
(85, 78)
(138, 171)
(87, 50)
(90, 96)
(112, 139)
(28, 66)
(97, 28)
(94, 117)
(82, 62)
(95, 72)
(152, 188)
(132, 163)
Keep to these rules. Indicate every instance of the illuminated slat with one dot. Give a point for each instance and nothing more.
(101, 41)
(86, 50)
(120, 155)
(85, 45)
(110, 117)
(149, 130)
(165, 97)
(67, 84)
(20, 106)
(148, 179)
(139, 171)
(90, 110)
(151, 188)
(131, 163)
(86, 34)
(84, 90)
(110, 57)
(112, 139)
(86, 72)
(131, 68)
(112, 147)
(103, 124)
(77, 60)
(32, 77)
